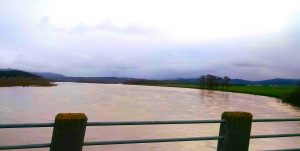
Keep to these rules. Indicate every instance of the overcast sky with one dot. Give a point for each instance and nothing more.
(255, 39)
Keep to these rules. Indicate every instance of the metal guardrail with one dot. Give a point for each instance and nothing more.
(152, 140)
(277, 120)
(35, 125)
(153, 122)
(294, 149)
(122, 123)
(27, 146)
(220, 138)
(26, 125)
(274, 135)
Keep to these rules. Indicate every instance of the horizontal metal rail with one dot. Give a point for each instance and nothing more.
(277, 120)
(153, 122)
(118, 142)
(24, 146)
(152, 140)
(26, 125)
(33, 125)
(290, 149)
(275, 135)
(146, 141)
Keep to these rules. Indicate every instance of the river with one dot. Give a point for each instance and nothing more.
(117, 102)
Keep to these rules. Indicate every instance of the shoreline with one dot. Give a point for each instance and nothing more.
(281, 93)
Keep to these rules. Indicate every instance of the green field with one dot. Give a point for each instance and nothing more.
(281, 92)
(273, 91)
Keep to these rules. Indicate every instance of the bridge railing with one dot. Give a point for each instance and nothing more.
(69, 131)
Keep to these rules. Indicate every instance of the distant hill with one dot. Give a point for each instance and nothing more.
(8, 73)
(277, 81)
(240, 82)
(11, 77)
(107, 80)
(196, 80)
(62, 78)
(51, 76)
(182, 80)
(114, 80)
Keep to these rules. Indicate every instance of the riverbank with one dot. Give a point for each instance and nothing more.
(25, 81)
(11, 77)
(288, 94)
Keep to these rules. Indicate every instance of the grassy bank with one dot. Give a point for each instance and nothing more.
(289, 94)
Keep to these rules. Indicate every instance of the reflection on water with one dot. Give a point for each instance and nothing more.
(116, 102)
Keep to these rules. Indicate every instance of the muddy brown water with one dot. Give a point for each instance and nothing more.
(116, 102)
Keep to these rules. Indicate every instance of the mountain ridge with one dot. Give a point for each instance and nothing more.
(114, 80)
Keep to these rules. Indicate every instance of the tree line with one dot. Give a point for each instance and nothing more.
(211, 81)
(24, 81)
(144, 82)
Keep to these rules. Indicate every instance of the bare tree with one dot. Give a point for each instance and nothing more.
(211, 81)
(219, 82)
(202, 81)
(226, 81)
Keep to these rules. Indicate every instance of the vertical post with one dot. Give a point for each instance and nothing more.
(235, 131)
(68, 133)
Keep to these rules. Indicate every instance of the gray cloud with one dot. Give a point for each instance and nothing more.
(136, 51)
(250, 65)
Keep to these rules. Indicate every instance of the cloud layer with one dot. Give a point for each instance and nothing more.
(79, 40)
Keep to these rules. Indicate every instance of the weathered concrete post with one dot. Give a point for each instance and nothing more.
(236, 131)
(68, 133)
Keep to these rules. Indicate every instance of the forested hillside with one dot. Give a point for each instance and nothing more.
(10, 77)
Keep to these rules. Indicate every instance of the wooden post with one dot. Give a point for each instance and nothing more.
(235, 131)
(68, 133)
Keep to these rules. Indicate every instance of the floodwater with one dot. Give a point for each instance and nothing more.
(116, 102)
